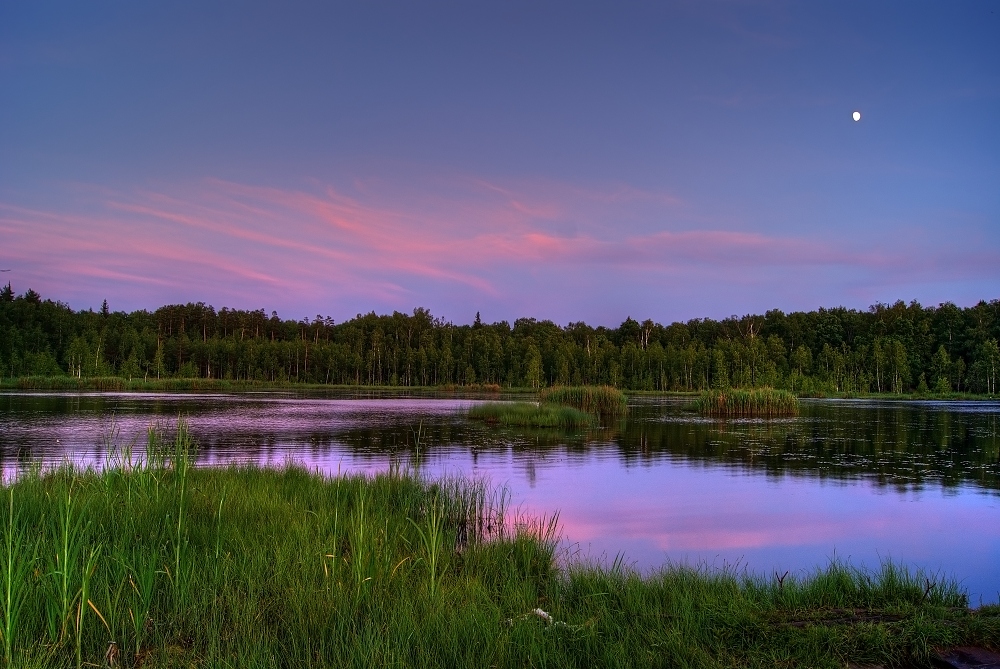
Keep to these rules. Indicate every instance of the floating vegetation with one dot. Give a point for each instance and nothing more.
(527, 414)
(748, 402)
(603, 401)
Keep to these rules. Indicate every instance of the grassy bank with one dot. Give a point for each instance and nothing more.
(527, 414)
(910, 397)
(559, 394)
(747, 402)
(120, 384)
(602, 401)
(163, 565)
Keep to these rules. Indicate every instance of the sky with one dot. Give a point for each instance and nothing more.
(575, 161)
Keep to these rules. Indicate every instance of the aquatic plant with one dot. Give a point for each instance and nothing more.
(432, 541)
(748, 402)
(603, 401)
(291, 569)
(15, 567)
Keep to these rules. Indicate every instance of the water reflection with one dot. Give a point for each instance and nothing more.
(918, 482)
(894, 444)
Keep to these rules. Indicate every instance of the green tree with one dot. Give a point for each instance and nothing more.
(958, 373)
(533, 367)
(899, 364)
(880, 361)
(79, 356)
(987, 365)
(720, 369)
(130, 368)
(941, 369)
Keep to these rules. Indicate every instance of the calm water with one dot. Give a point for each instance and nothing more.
(917, 482)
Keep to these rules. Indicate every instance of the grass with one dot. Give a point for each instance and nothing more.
(155, 563)
(749, 402)
(912, 396)
(528, 414)
(120, 384)
(603, 401)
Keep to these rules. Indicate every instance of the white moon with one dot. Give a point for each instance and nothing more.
(857, 116)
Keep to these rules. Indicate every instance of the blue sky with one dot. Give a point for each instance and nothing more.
(572, 161)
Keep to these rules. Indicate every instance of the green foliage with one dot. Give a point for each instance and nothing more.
(526, 414)
(884, 349)
(748, 402)
(19, 554)
(603, 401)
(432, 541)
(290, 569)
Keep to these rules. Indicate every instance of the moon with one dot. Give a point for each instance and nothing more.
(857, 116)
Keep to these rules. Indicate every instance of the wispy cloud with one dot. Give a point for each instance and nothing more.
(392, 247)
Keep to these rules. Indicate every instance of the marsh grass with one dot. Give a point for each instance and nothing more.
(120, 384)
(198, 384)
(15, 569)
(602, 401)
(285, 568)
(432, 540)
(747, 402)
(528, 414)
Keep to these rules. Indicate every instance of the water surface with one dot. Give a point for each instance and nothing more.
(917, 482)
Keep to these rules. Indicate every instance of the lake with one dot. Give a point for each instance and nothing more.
(860, 480)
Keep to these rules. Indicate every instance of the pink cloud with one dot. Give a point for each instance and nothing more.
(384, 240)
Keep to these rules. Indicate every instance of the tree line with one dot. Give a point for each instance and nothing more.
(896, 348)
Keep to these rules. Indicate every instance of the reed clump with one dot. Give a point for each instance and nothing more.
(154, 562)
(603, 401)
(528, 414)
(748, 402)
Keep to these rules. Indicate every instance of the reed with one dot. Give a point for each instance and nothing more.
(603, 401)
(748, 402)
(181, 464)
(527, 414)
(83, 601)
(141, 572)
(15, 567)
(291, 569)
(64, 562)
(432, 540)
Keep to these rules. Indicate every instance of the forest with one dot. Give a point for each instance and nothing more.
(897, 348)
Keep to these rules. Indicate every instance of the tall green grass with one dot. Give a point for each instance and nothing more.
(603, 401)
(748, 402)
(19, 553)
(526, 414)
(154, 563)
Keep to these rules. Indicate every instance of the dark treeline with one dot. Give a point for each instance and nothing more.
(895, 348)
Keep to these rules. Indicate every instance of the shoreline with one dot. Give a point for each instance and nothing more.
(121, 384)
(289, 568)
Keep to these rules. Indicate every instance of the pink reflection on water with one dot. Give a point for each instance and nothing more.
(712, 515)
(653, 512)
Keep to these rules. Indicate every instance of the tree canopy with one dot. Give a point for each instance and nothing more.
(888, 348)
